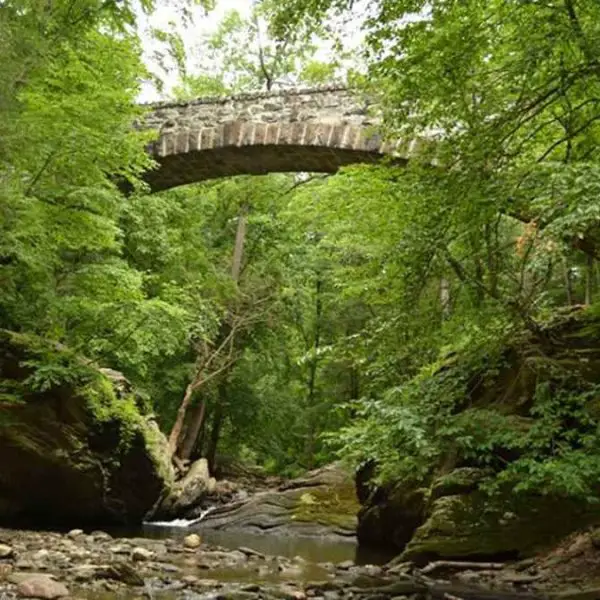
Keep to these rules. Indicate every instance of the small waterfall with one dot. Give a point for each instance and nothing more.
(181, 523)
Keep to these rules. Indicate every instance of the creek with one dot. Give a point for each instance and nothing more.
(312, 549)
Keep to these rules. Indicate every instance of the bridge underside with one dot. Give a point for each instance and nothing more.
(194, 166)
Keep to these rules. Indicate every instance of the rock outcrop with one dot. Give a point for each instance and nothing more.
(452, 515)
(321, 504)
(74, 446)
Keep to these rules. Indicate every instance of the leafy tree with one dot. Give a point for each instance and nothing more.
(240, 56)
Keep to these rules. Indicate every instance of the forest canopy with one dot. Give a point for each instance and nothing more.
(297, 318)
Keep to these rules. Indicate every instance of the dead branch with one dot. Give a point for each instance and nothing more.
(453, 564)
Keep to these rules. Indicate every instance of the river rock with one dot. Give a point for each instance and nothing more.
(192, 541)
(78, 452)
(124, 572)
(75, 533)
(6, 551)
(140, 554)
(41, 586)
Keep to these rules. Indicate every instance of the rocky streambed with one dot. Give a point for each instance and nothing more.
(95, 565)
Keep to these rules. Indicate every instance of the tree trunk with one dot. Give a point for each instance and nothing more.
(194, 429)
(589, 279)
(312, 377)
(238, 250)
(445, 297)
(179, 420)
(217, 424)
(176, 432)
(568, 284)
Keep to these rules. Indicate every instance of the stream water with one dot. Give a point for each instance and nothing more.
(311, 549)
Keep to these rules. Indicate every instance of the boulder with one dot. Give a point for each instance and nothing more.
(323, 503)
(455, 520)
(391, 516)
(75, 450)
(473, 526)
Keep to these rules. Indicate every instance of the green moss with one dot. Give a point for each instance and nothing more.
(42, 370)
(157, 447)
(463, 526)
(328, 505)
(105, 407)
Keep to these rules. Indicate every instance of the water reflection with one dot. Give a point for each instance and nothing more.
(312, 549)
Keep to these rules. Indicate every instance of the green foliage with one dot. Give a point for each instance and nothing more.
(383, 302)
(240, 56)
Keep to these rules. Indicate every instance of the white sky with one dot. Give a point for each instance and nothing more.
(203, 24)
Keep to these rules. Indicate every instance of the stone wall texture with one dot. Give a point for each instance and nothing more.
(312, 130)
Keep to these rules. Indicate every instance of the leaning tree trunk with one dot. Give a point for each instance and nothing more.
(175, 440)
(179, 420)
(312, 375)
(193, 431)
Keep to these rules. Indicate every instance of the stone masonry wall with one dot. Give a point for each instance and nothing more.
(301, 130)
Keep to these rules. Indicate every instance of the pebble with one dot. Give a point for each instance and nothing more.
(6, 551)
(251, 552)
(190, 579)
(192, 541)
(75, 533)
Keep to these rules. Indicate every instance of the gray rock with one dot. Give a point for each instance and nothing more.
(190, 580)
(187, 493)
(75, 533)
(141, 554)
(120, 549)
(124, 572)
(6, 551)
(88, 572)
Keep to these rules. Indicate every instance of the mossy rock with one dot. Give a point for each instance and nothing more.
(472, 526)
(334, 504)
(321, 504)
(459, 481)
(74, 450)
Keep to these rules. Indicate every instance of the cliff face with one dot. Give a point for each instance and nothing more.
(74, 447)
(513, 492)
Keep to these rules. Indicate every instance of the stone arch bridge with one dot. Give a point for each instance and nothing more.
(311, 130)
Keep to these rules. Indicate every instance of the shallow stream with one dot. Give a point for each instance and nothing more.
(311, 549)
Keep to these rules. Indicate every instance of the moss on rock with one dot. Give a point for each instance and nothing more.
(470, 526)
(74, 448)
(330, 505)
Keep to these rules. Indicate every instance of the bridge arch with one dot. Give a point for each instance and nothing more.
(314, 130)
